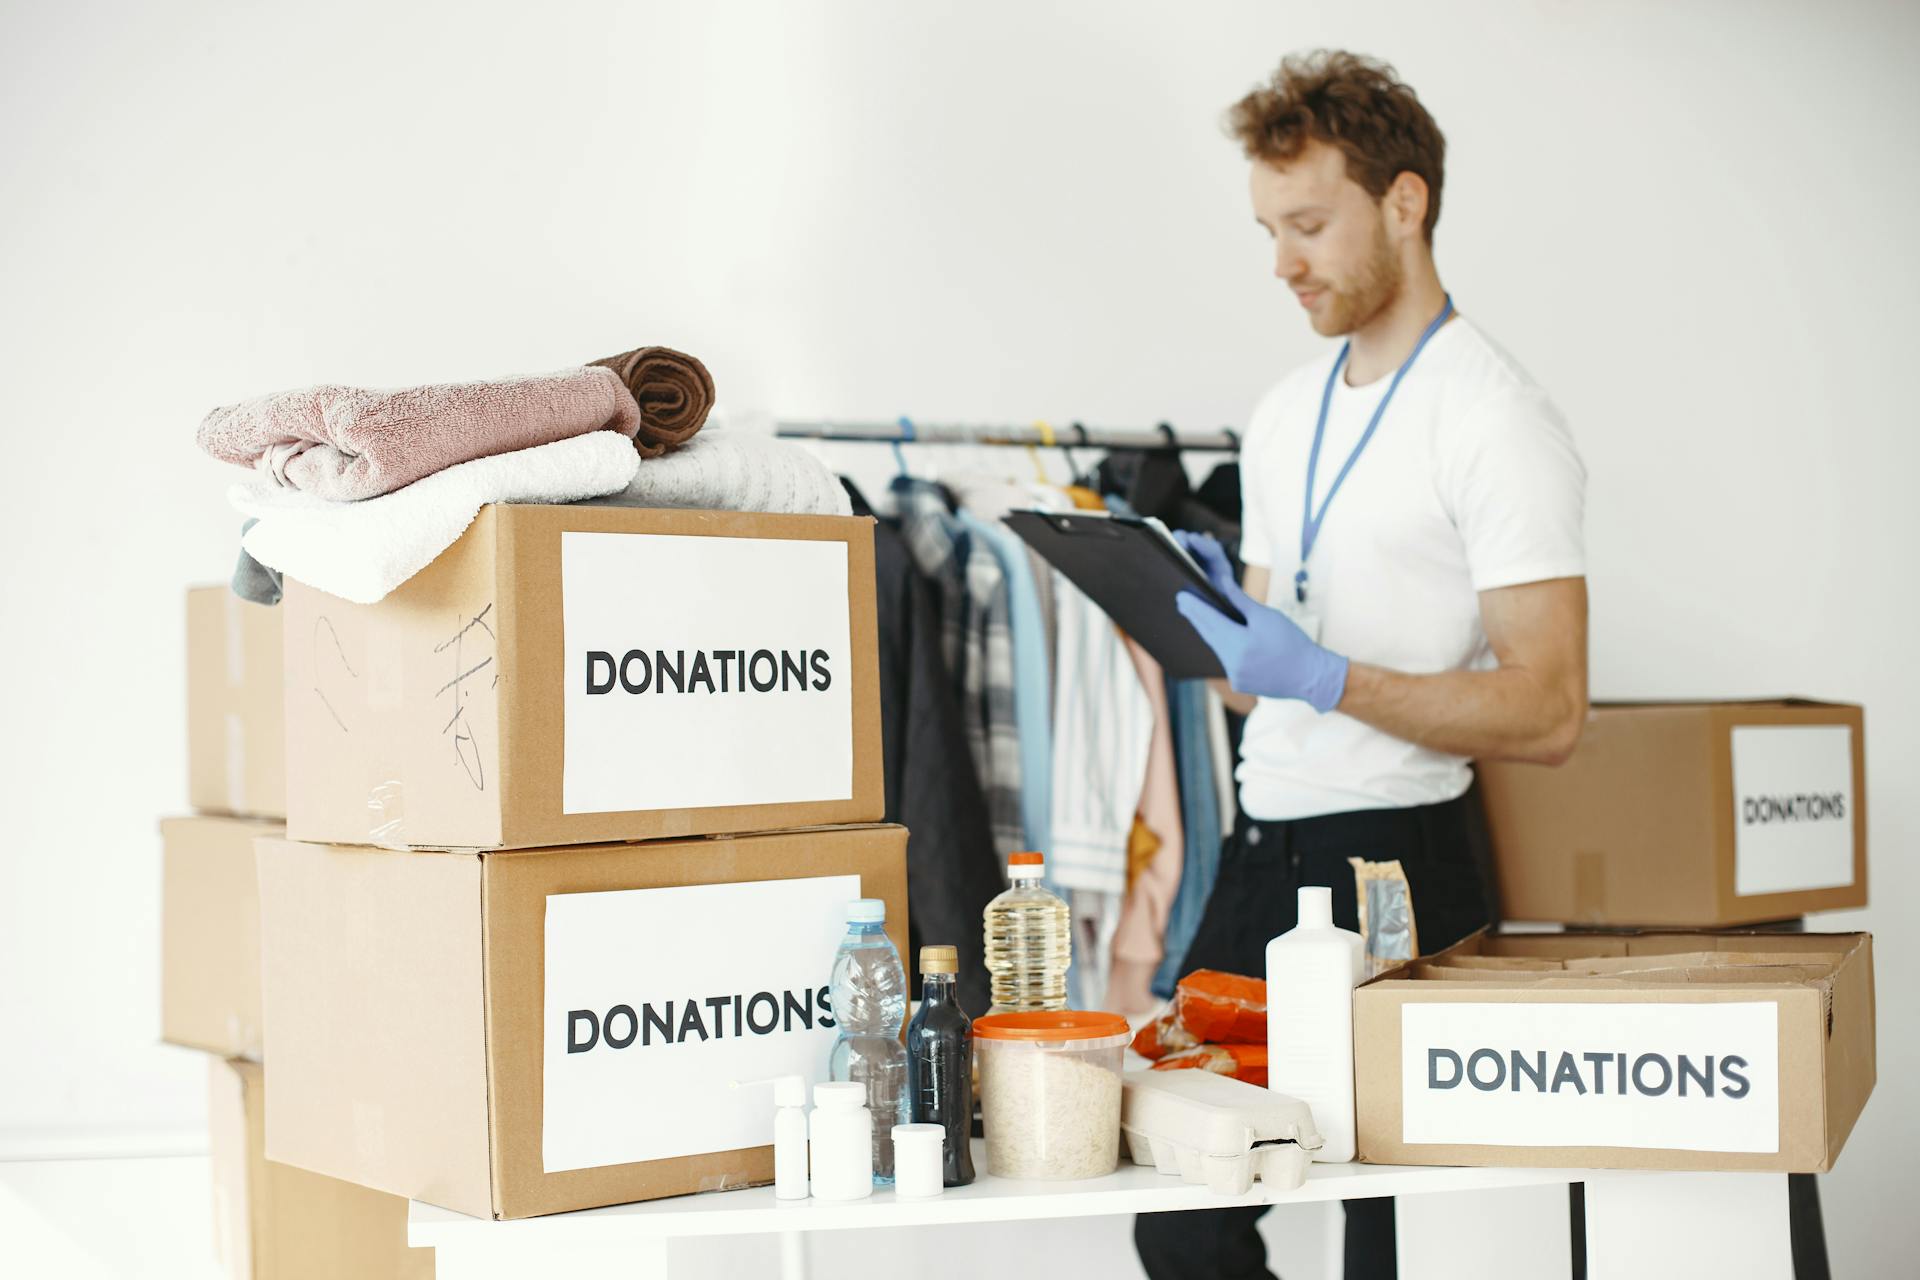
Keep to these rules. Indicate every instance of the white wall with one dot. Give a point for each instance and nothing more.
(1692, 222)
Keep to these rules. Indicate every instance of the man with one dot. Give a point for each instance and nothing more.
(1414, 593)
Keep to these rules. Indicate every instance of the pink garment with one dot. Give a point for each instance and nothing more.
(1139, 939)
(348, 443)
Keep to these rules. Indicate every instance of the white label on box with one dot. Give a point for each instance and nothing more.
(1792, 807)
(1685, 1077)
(658, 999)
(704, 671)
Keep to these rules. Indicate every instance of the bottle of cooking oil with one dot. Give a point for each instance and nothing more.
(1029, 941)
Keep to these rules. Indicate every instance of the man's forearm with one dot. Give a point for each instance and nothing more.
(1504, 714)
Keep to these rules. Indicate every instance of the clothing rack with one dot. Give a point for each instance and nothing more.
(1039, 434)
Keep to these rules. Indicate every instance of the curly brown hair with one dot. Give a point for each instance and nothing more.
(1352, 102)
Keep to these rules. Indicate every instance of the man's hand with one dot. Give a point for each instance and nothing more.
(1268, 655)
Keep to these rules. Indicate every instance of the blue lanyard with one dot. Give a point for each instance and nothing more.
(1309, 522)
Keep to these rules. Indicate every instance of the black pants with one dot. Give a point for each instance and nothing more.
(1444, 851)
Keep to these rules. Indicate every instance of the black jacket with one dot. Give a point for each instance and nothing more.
(931, 787)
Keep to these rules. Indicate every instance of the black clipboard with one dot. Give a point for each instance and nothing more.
(1133, 572)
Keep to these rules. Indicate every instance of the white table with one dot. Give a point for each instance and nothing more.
(1639, 1226)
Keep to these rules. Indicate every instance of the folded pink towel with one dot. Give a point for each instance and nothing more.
(348, 443)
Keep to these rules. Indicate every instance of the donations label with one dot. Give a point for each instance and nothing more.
(704, 671)
(1688, 1077)
(1793, 807)
(658, 999)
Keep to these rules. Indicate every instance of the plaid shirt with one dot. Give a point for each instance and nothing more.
(933, 539)
(977, 641)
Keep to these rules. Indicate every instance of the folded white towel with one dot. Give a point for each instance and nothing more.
(729, 470)
(360, 551)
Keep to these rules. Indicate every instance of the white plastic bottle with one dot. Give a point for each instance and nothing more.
(790, 1138)
(1312, 970)
(842, 1131)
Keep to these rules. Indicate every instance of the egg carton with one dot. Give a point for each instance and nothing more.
(1216, 1131)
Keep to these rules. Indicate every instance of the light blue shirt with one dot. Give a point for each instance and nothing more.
(1032, 681)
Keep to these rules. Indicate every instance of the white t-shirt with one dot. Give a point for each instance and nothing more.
(1471, 482)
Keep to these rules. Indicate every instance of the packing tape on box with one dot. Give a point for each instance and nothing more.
(381, 667)
(727, 1182)
(243, 1031)
(386, 813)
(1589, 884)
(236, 778)
(236, 641)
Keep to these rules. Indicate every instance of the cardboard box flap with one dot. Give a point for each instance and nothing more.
(1593, 946)
(1706, 704)
(1456, 973)
(1506, 964)
(1782, 970)
(1818, 961)
(1702, 976)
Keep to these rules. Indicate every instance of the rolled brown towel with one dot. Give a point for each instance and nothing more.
(674, 392)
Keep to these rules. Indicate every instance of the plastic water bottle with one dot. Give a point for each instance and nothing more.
(1029, 941)
(869, 1006)
(1312, 970)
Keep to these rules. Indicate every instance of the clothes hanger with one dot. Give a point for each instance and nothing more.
(899, 454)
(1067, 453)
(1074, 474)
(1033, 451)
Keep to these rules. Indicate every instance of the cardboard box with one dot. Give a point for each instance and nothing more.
(1688, 814)
(236, 721)
(515, 1033)
(1727, 1051)
(210, 934)
(564, 674)
(275, 1222)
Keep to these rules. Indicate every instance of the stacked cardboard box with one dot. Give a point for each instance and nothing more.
(573, 818)
(1699, 815)
(271, 1222)
(275, 1222)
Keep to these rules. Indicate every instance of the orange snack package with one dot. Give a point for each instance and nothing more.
(1222, 1008)
(1246, 1062)
(1162, 1036)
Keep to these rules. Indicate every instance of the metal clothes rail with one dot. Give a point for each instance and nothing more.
(1040, 434)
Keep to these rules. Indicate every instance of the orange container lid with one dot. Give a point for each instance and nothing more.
(1026, 859)
(1052, 1024)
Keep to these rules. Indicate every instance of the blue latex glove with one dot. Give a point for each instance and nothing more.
(1269, 654)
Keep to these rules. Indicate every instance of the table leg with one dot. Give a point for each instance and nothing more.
(1687, 1225)
(793, 1255)
(1479, 1235)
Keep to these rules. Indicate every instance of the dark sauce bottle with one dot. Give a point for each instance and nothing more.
(940, 1062)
